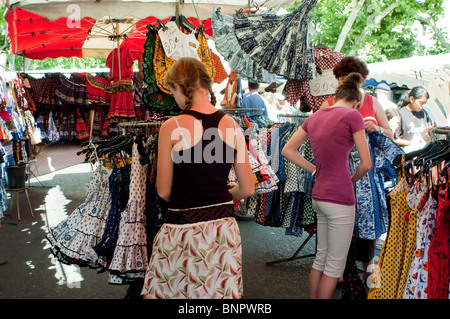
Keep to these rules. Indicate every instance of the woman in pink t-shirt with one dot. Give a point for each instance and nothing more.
(333, 132)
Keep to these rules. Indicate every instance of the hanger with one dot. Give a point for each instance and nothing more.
(436, 149)
(320, 45)
(408, 156)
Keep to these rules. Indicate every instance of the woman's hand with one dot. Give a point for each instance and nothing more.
(371, 127)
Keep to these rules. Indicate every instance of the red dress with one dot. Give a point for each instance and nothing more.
(120, 63)
(366, 110)
(438, 252)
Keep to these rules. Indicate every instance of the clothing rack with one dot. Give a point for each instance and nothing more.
(301, 116)
(444, 130)
(138, 124)
(256, 110)
(303, 244)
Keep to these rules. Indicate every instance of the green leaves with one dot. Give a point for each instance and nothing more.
(382, 30)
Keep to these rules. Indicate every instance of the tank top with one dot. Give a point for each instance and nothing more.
(200, 173)
(366, 110)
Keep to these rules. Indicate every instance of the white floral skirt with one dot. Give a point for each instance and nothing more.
(196, 261)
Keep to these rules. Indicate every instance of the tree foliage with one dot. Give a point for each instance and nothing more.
(373, 35)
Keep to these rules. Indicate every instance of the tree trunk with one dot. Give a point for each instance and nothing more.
(356, 7)
(437, 31)
(373, 21)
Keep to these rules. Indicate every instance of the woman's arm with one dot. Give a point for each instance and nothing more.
(402, 142)
(383, 123)
(290, 150)
(243, 170)
(164, 175)
(365, 164)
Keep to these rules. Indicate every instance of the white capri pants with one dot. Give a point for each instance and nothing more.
(335, 224)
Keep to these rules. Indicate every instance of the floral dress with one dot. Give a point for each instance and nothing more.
(426, 205)
(438, 253)
(279, 44)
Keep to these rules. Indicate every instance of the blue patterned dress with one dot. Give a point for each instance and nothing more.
(371, 209)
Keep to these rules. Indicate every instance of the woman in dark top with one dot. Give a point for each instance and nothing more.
(197, 253)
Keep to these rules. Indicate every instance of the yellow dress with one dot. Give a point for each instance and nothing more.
(398, 249)
(162, 63)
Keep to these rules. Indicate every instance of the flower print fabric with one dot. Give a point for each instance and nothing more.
(279, 44)
(157, 99)
(228, 46)
(422, 199)
(438, 252)
(371, 209)
(196, 261)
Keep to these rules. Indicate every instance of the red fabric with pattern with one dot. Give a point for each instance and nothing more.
(438, 252)
(325, 59)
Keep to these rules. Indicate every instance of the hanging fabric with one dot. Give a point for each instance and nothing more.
(414, 261)
(371, 220)
(228, 46)
(162, 62)
(280, 44)
(109, 231)
(324, 59)
(120, 63)
(157, 99)
(233, 91)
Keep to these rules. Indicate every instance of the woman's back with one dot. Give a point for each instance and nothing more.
(202, 160)
(331, 136)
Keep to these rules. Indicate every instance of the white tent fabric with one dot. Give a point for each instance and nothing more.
(419, 70)
(54, 9)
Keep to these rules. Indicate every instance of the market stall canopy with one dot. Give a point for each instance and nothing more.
(410, 72)
(54, 9)
(35, 37)
(38, 29)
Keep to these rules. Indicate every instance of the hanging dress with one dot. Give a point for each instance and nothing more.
(119, 184)
(81, 131)
(158, 100)
(426, 207)
(162, 62)
(130, 255)
(438, 252)
(324, 59)
(280, 44)
(395, 257)
(228, 46)
(120, 63)
(52, 133)
(73, 239)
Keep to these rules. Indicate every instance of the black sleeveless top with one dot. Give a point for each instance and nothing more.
(201, 172)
